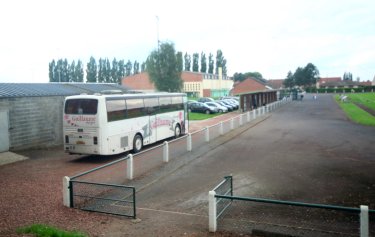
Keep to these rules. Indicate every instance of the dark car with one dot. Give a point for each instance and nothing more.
(199, 107)
(205, 99)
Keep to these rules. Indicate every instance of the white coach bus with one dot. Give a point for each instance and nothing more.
(111, 124)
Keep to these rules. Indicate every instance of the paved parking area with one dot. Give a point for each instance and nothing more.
(306, 151)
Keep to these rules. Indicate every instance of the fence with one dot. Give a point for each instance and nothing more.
(345, 219)
(101, 186)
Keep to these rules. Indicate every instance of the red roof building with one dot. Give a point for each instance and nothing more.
(195, 84)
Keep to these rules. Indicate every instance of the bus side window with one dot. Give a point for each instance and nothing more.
(135, 108)
(165, 104)
(151, 106)
(177, 103)
(115, 110)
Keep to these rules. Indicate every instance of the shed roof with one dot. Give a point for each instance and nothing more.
(55, 89)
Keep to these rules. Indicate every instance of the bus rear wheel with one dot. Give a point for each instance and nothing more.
(137, 143)
(177, 131)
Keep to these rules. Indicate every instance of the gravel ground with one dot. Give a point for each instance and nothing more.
(32, 193)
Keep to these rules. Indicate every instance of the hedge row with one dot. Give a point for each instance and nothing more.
(341, 90)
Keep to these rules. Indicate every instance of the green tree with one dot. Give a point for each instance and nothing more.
(143, 67)
(51, 71)
(289, 80)
(196, 62)
(211, 63)
(203, 63)
(128, 68)
(180, 62)
(91, 71)
(121, 68)
(187, 62)
(348, 76)
(136, 67)
(220, 62)
(101, 71)
(115, 72)
(79, 71)
(310, 74)
(163, 69)
(242, 76)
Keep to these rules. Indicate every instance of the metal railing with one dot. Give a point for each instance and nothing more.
(216, 197)
(103, 197)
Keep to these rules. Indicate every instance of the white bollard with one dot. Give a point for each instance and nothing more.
(188, 145)
(212, 225)
(221, 128)
(254, 114)
(240, 120)
(207, 134)
(364, 221)
(248, 116)
(66, 191)
(129, 165)
(166, 152)
(231, 124)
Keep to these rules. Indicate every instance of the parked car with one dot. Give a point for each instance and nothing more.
(202, 108)
(228, 106)
(205, 99)
(228, 102)
(233, 102)
(220, 108)
(230, 97)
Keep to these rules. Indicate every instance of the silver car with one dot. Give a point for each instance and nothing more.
(220, 108)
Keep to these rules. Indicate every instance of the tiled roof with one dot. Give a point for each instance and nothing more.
(276, 83)
(139, 81)
(249, 85)
(329, 79)
(54, 89)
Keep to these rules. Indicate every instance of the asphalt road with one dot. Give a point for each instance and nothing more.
(306, 151)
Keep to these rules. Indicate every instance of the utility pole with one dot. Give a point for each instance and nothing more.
(157, 31)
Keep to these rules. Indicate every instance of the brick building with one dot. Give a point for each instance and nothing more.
(195, 84)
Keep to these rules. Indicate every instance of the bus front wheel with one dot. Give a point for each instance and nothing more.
(137, 143)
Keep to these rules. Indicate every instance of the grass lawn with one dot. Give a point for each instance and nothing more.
(40, 230)
(366, 99)
(201, 116)
(355, 113)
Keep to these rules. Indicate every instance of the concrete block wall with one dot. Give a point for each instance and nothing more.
(35, 122)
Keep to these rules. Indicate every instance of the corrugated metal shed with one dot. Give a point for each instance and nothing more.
(55, 89)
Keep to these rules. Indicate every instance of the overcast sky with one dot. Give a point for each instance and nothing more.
(271, 37)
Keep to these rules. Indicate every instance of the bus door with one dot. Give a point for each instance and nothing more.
(151, 107)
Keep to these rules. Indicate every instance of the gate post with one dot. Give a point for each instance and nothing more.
(188, 140)
(364, 221)
(212, 225)
(129, 165)
(207, 133)
(166, 152)
(66, 191)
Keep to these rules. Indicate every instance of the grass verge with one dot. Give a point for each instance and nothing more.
(40, 230)
(200, 116)
(366, 99)
(355, 113)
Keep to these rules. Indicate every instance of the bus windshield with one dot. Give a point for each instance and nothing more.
(81, 106)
